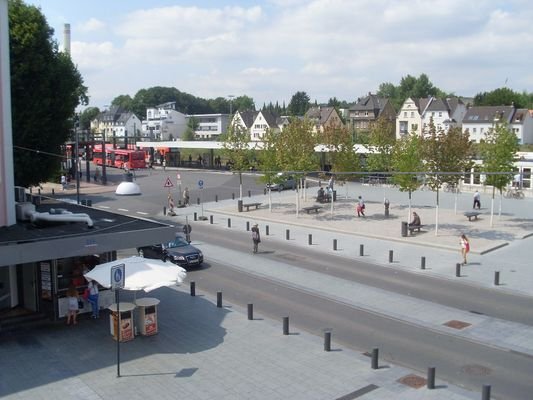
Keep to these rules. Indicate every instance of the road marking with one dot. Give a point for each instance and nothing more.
(104, 207)
(122, 209)
(142, 213)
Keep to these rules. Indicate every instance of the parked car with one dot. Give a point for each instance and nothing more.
(179, 252)
(283, 181)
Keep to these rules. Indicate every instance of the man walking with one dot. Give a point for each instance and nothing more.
(477, 200)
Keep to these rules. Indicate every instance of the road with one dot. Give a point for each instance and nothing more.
(457, 360)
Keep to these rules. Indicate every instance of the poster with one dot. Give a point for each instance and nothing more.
(126, 329)
(150, 324)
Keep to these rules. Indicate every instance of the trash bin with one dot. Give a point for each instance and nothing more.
(147, 315)
(239, 205)
(123, 323)
(404, 229)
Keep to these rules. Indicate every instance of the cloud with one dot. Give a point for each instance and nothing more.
(91, 25)
(93, 56)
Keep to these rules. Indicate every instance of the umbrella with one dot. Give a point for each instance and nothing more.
(140, 273)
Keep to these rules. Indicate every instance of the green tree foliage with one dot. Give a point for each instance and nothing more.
(125, 102)
(409, 86)
(243, 103)
(342, 157)
(498, 153)
(299, 104)
(296, 148)
(504, 97)
(381, 140)
(189, 134)
(87, 116)
(267, 157)
(235, 148)
(46, 87)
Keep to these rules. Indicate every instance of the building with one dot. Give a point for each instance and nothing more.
(163, 122)
(264, 120)
(244, 120)
(323, 117)
(210, 126)
(116, 125)
(367, 110)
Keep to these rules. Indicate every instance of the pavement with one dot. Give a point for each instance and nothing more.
(206, 352)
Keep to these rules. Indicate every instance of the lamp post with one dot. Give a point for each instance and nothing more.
(231, 104)
(76, 163)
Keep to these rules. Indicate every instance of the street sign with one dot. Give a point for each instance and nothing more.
(118, 276)
(168, 183)
(201, 184)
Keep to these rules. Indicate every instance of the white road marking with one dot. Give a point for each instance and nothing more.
(142, 213)
(122, 209)
(104, 207)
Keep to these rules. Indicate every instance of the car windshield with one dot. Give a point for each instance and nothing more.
(178, 242)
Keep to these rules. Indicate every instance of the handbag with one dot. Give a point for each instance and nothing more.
(86, 293)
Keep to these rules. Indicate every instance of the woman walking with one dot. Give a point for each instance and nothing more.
(465, 247)
(256, 238)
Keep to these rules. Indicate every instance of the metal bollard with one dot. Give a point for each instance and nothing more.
(485, 394)
(195, 216)
(496, 278)
(31, 190)
(216, 198)
(310, 239)
(164, 210)
(219, 299)
(198, 200)
(391, 255)
(375, 356)
(361, 250)
(458, 270)
(267, 230)
(334, 244)
(233, 196)
(193, 288)
(39, 191)
(287, 234)
(250, 311)
(431, 378)
(53, 192)
(247, 225)
(423, 263)
(327, 341)
(285, 325)
(249, 193)
(229, 222)
(211, 219)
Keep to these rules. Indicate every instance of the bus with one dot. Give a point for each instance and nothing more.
(120, 158)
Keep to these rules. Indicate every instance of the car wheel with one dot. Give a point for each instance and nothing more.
(166, 259)
(141, 253)
(280, 188)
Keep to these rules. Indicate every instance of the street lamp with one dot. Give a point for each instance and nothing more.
(231, 104)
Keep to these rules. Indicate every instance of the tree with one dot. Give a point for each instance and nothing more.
(498, 153)
(409, 86)
(299, 104)
(189, 134)
(243, 103)
(235, 147)
(125, 102)
(87, 116)
(406, 157)
(342, 156)
(268, 162)
(381, 139)
(46, 87)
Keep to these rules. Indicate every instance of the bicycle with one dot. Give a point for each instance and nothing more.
(514, 194)
(451, 188)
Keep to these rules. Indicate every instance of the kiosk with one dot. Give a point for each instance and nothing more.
(147, 315)
(124, 321)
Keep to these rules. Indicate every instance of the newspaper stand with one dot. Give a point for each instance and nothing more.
(124, 321)
(147, 315)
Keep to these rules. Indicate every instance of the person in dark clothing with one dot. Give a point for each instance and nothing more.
(256, 238)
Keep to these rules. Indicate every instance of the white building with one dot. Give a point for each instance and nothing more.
(210, 126)
(163, 122)
(116, 123)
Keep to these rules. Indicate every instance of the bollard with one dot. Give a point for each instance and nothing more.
(458, 270)
(216, 198)
(219, 299)
(31, 190)
(164, 210)
(267, 230)
(265, 191)
(310, 239)
(423, 263)
(285, 325)
(249, 193)
(250, 312)
(287, 234)
(211, 219)
(485, 394)
(233, 196)
(193, 288)
(195, 216)
(431, 378)
(229, 222)
(39, 191)
(375, 355)
(334, 244)
(247, 225)
(361, 249)
(391, 254)
(53, 192)
(496, 278)
(327, 341)
(198, 200)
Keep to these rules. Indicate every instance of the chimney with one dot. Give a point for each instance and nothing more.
(66, 39)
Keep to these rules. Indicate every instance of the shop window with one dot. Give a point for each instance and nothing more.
(526, 178)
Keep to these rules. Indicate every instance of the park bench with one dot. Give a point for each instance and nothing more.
(311, 208)
(472, 214)
(248, 205)
(413, 228)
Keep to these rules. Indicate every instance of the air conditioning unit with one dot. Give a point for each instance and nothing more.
(23, 211)
(20, 194)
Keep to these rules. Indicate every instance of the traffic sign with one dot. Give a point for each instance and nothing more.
(168, 183)
(118, 276)
(201, 184)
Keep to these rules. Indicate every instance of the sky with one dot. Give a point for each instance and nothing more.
(271, 49)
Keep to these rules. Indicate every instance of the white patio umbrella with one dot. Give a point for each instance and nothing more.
(140, 273)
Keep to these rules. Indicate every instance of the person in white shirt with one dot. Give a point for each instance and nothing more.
(477, 200)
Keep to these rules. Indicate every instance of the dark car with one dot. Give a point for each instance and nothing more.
(282, 182)
(178, 252)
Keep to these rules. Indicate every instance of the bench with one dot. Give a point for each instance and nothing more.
(248, 205)
(311, 208)
(472, 214)
(413, 228)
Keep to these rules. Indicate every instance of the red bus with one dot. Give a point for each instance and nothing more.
(120, 158)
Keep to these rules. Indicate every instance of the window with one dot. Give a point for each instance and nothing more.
(474, 130)
(366, 113)
(405, 114)
(412, 114)
(440, 113)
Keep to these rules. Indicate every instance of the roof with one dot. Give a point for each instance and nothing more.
(248, 117)
(371, 102)
(487, 114)
(269, 117)
(319, 114)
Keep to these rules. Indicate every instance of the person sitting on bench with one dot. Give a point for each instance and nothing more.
(320, 196)
(415, 223)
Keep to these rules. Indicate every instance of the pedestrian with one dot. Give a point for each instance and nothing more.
(330, 184)
(477, 200)
(186, 196)
(256, 238)
(93, 298)
(96, 174)
(465, 247)
(164, 164)
(63, 181)
(73, 308)
(416, 220)
(360, 208)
